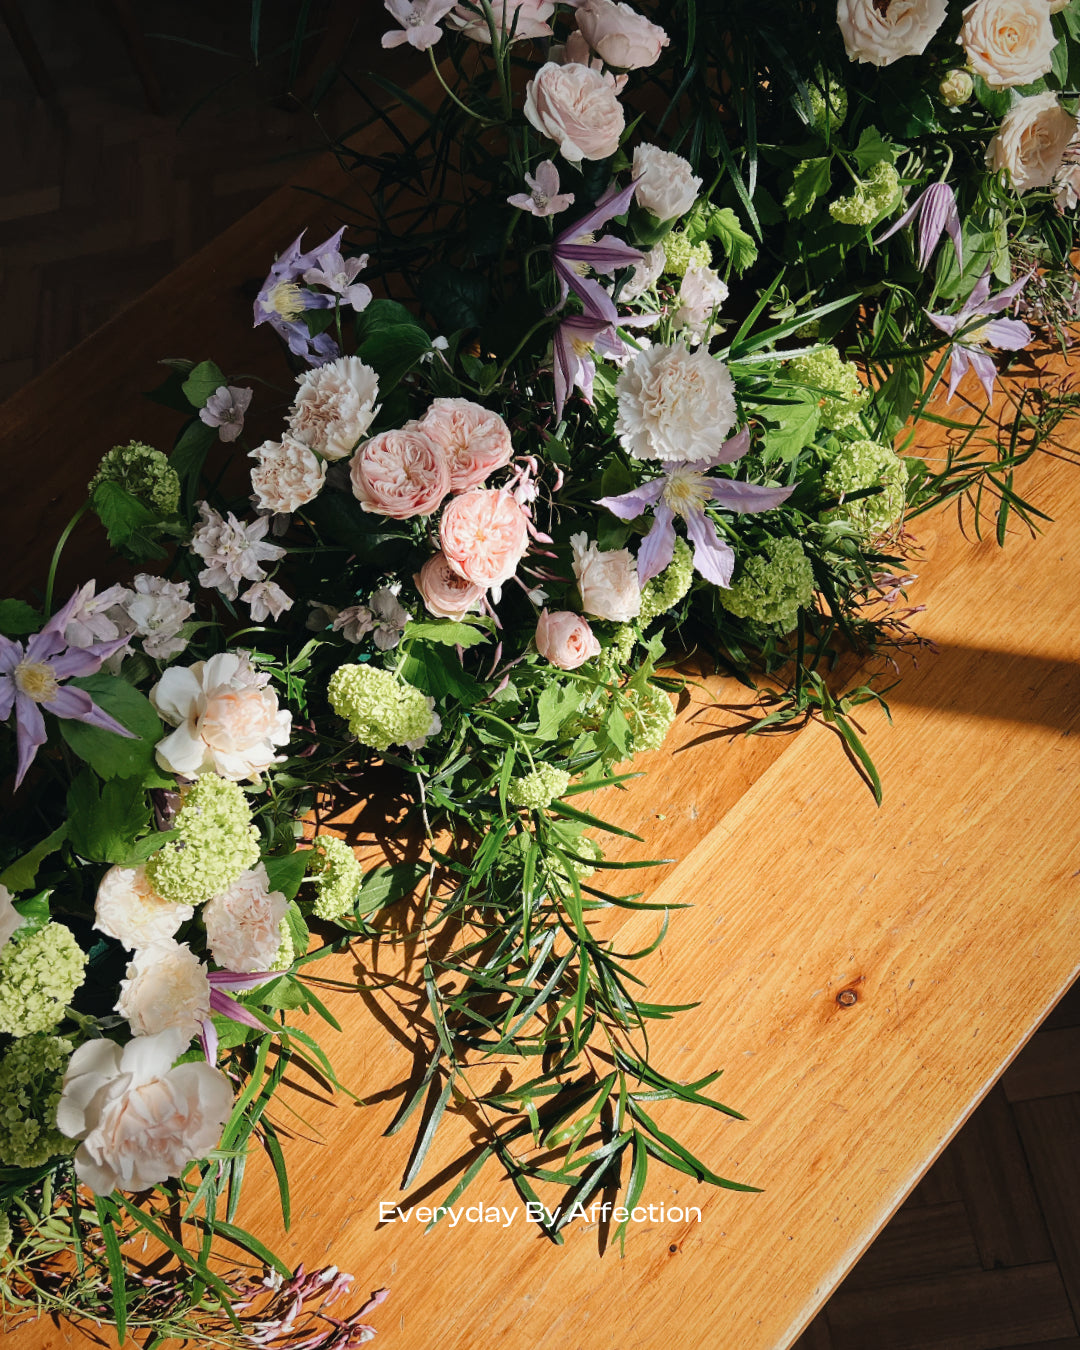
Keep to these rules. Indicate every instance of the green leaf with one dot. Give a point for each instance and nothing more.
(448, 633)
(191, 448)
(106, 1212)
(129, 523)
(103, 826)
(737, 244)
(384, 885)
(393, 352)
(381, 315)
(873, 150)
(457, 299)
(204, 380)
(109, 754)
(17, 618)
(554, 706)
(287, 872)
(22, 873)
(812, 178)
(797, 424)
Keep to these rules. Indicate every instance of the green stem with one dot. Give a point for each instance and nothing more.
(55, 563)
(484, 121)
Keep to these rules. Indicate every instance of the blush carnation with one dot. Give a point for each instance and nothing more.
(666, 184)
(565, 639)
(675, 404)
(287, 476)
(445, 593)
(242, 924)
(577, 108)
(1031, 142)
(474, 441)
(400, 474)
(334, 407)
(166, 986)
(620, 35)
(880, 33)
(484, 536)
(1008, 42)
(129, 909)
(608, 581)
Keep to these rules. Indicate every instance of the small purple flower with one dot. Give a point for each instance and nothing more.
(225, 409)
(685, 490)
(339, 275)
(383, 616)
(969, 335)
(419, 21)
(573, 344)
(544, 198)
(576, 250)
(30, 682)
(936, 211)
(282, 300)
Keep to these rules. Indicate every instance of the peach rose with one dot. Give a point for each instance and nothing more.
(484, 536)
(565, 639)
(577, 108)
(881, 33)
(444, 592)
(400, 474)
(620, 35)
(1008, 42)
(474, 441)
(1031, 142)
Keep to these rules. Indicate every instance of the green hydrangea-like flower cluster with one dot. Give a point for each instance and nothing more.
(653, 715)
(864, 464)
(539, 788)
(6, 1233)
(872, 197)
(381, 711)
(217, 842)
(337, 876)
(31, 1077)
(142, 471)
(827, 369)
(772, 590)
(38, 976)
(286, 953)
(681, 254)
(619, 650)
(665, 591)
(586, 848)
(827, 115)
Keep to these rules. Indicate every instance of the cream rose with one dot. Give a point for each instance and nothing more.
(400, 474)
(881, 33)
(524, 18)
(666, 184)
(577, 108)
(445, 593)
(129, 909)
(1008, 42)
(335, 405)
(140, 1120)
(243, 924)
(620, 35)
(565, 639)
(484, 535)
(474, 441)
(608, 581)
(287, 475)
(166, 986)
(1031, 142)
(674, 404)
(226, 721)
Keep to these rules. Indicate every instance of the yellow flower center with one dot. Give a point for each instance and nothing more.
(36, 680)
(581, 347)
(687, 491)
(580, 266)
(285, 299)
(978, 336)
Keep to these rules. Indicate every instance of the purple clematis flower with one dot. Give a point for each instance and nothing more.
(30, 682)
(544, 197)
(969, 335)
(936, 211)
(224, 1006)
(574, 342)
(685, 490)
(282, 299)
(576, 249)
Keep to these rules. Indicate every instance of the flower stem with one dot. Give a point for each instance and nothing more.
(54, 564)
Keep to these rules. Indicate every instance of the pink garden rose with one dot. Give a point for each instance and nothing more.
(400, 474)
(445, 593)
(620, 35)
(484, 536)
(475, 441)
(565, 639)
(577, 108)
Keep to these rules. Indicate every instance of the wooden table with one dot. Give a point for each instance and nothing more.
(952, 913)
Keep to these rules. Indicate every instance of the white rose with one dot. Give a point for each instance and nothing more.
(701, 294)
(577, 108)
(166, 986)
(140, 1120)
(129, 909)
(159, 609)
(334, 406)
(675, 404)
(666, 184)
(1031, 142)
(880, 33)
(608, 581)
(243, 924)
(288, 475)
(10, 918)
(1008, 42)
(226, 721)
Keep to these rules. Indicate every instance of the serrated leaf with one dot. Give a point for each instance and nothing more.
(873, 150)
(554, 706)
(129, 523)
(104, 824)
(737, 244)
(204, 380)
(108, 754)
(812, 179)
(797, 424)
(448, 633)
(17, 618)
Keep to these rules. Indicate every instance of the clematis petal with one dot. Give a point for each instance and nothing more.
(658, 546)
(748, 498)
(958, 367)
(733, 448)
(630, 505)
(77, 705)
(713, 558)
(985, 369)
(30, 734)
(1008, 334)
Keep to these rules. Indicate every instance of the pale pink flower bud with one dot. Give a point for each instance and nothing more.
(620, 35)
(565, 639)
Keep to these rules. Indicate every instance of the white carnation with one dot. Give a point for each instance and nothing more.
(666, 184)
(243, 924)
(129, 909)
(608, 582)
(287, 476)
(166, 986)
(334, 406)
(675, 404)
(881, 33)
(159, 609)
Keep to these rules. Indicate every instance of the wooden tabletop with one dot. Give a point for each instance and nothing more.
(951, 913)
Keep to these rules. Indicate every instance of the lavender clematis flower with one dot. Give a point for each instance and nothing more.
(224, 1006)
(544, 199)
(30, 682)
(577, 249)
(969, 335)
(573, 344)
(282, 300)
(225, 409)
(419, 21)
(339, 275)
(685, 490)
(936, 211)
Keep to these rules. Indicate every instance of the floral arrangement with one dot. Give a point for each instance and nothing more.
(699, 271)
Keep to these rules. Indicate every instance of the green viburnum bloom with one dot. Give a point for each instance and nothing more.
(666, 590)
(651, 720)
(619, 650)
(144, 472)
(681, 254)
(381, 710)
(865, 464)
(828, 114)
(286, 953)
(38, 976)
(772, 590)
(827, 370)
(872, 196)
(538, 788)
(337, 876)
(6, 1233)
(217, 842)
(31, 1079)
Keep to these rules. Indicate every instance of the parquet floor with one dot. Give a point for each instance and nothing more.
(100, 197)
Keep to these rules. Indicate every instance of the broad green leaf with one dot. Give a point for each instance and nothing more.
(554, 706)
(103, 825)
(797, 425)
(812, 178)
(203, 381)
(384, 885)
(737, 244)
(287, 872)
(17, 618)
(392, 353)
(448, 633)
(109, 754)
(873, 150)
(192, 447)
(129, 522)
